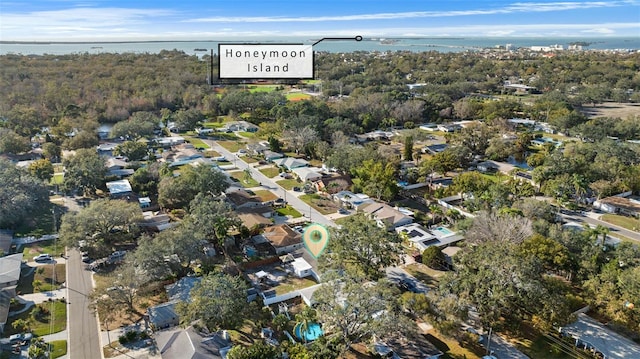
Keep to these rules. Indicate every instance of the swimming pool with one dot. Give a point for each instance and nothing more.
(444, 231)
(312, 333)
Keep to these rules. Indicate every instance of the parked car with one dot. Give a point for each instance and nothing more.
(86, 258)
(286, 175)
(279, 201)
(343, 211)
(297, 189)
(408, 285)
(44, 257)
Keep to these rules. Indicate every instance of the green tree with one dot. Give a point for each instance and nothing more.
(188, 119)
(177, 192)
(274, 144)
(258, 350)
(280, 322)
(101, 225)
(84, 171)
(132, 150)
(38, 349)
(376, 179)
(415, 303)
(247, 175)
(218, 301)
(51, 151)
(82, 140)
(42, 169)
(123, 289)
(11, 142)
(552, 255)
(353, 315)
(21, 195)
(433, 257)
(361, 245)
(211, 218)
(144, 180)
(140, 124)
(408, 148)
(21, 325)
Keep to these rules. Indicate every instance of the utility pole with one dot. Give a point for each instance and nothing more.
(489, 341)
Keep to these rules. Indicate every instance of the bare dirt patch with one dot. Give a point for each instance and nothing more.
(612, 109)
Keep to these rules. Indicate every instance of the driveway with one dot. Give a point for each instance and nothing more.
(269, 184)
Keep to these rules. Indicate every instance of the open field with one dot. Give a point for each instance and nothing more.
(289, 183)
(320, 204)
(270, 171)
(232, 146)
(266, 195)
(196, 142)
(612, 109)
(297, 96)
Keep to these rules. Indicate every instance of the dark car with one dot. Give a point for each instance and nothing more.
(297, 189)
(408, 286)
(343, 211)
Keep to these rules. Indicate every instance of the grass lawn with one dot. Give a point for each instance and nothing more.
(52, 247)
(211, 153)
(494, 177)
(196, 142)
(266, 195)
(46, 278)
(232, 146)
(538, 346)
(247, 134)
(424, 274)
(319, 203)
(292, 283)
(239, 175)
(289, 183)
(270, 171)
(57, 178)
(629, 223)
(39, 327)
(262, 88)
(58, 348)
(297, 96)
(249, 159)
(289, 211)
(450, 347)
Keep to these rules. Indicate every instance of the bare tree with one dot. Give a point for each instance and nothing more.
(491, 226)
(299, 138)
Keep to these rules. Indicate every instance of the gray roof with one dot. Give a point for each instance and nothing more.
(605, 340)
(10, 268)
(163, 313)
(181, 289)
(191, 344)
(6, 236)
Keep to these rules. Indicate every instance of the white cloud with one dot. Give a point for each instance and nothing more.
(599, 30)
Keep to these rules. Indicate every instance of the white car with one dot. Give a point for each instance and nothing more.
(44, 257)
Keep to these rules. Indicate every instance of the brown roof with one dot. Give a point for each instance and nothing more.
(238, 198)
(622, 203)
(384, 213)
(253, 219)
(282, 236)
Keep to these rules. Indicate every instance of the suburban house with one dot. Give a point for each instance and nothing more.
(155, 221)
(120, 188)
(272, 156)
(422, 238)
(283, 238)
(301, 267)
(167, 142)
(291, 162)
(308, 174)
(435, 148)
(240, 198)
(257, 148)
(10, 268)
(351, 200)
(253, 220)
(449, 127)
(107, 148)
(163, 316)
(623, 203)
(385, 215)
(116, 167)
(191, 343)
(6, 238)
(243, 126)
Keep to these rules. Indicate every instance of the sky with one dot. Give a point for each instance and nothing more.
(126, 20)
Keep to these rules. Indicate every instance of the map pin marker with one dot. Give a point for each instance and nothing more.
(315, 239)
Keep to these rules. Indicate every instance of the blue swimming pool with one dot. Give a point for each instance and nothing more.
(312, 333)
(443, 230)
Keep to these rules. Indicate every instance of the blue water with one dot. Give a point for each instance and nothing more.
(443, 230)
(402, 44)
(313, 332)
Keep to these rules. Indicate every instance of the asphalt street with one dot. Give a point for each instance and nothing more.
(84, 339)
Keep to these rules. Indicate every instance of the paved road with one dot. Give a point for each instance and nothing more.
(268, 183)
(592, 219)
(396, 274)
(84, 339)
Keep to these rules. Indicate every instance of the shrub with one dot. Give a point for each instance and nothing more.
(433, 258)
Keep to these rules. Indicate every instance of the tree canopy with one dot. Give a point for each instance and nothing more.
(20, 194)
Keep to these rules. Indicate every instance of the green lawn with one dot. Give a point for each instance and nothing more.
(270, 171)
(292, 283)
(52, 247)
(289, 211)
(57, 178)
(451, 347)
(196, 142)
(232, 146)
(629, 223)
(250, 159)
(239, 175)
(43, 326)
(297, 96)
(211, 153)
(262, 88)
(58, 348)
(266, 195)
(289, 183)
(247, 134)
(424, 274)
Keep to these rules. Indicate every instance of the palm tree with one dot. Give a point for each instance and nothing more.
(604, 231)
(305, 317)
(436, 211)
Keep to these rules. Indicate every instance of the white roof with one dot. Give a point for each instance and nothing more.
(121, 186)
(10, 268)
(299, 265)
(308, 173)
